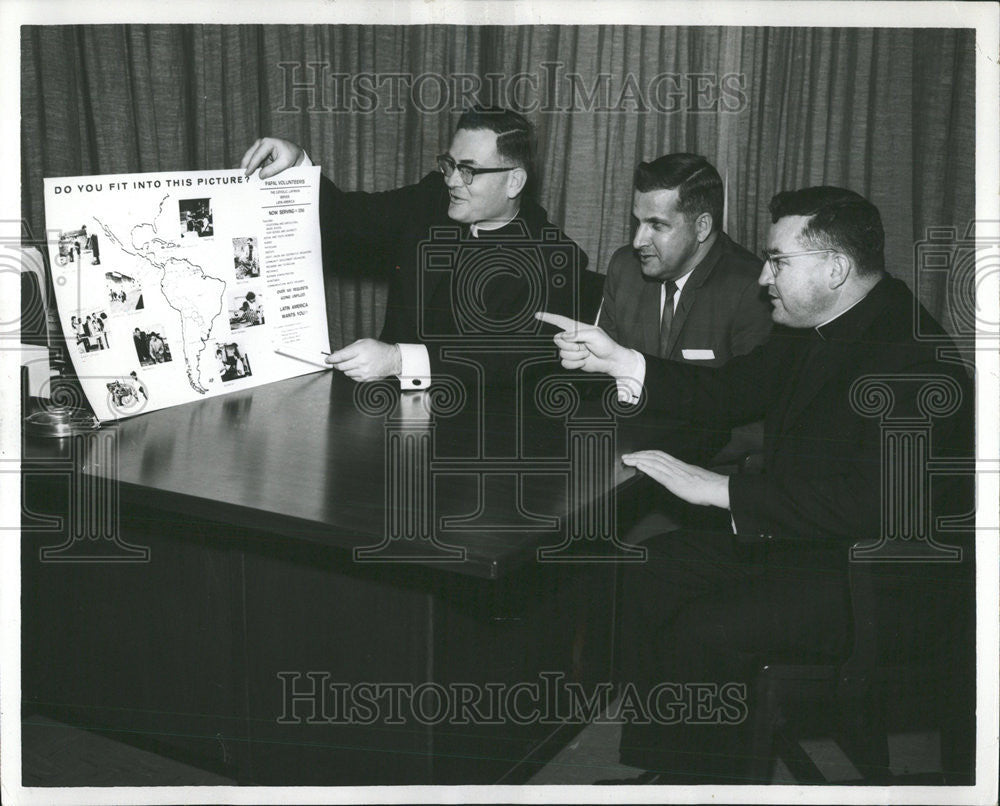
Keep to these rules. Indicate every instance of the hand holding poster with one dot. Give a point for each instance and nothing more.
(176, 286)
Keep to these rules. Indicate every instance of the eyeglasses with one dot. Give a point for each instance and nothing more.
(774, 257)
(447, 166)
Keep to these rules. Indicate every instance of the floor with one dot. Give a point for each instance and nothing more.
(55, 754)
(593, 755)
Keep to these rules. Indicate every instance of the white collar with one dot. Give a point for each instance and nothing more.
(475, 228)
(834, 318)
(679, 282)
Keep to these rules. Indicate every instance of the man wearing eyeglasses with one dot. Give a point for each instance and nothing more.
(488, 172)
(707, 605)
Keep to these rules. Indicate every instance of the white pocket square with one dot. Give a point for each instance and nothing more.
(697, 355)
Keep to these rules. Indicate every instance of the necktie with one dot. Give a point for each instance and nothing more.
(667, 317)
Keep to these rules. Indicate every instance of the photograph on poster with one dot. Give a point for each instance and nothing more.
(73, 245)
(245, 310)
(90, 331)
(151, 347)
(233, 362)
(196, 218)
(124, 292)
(127, 393)
(246, 259)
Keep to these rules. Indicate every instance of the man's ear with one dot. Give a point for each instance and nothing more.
(703, 226)
(840, 270)
(516, 180)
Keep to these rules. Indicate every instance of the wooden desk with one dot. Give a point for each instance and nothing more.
(251, 507)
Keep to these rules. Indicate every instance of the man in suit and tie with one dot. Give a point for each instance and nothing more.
(708, 604)
(683, 289)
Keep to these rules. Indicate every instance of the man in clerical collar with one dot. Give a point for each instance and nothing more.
(488, 172)
(852, 351)
(486, 169)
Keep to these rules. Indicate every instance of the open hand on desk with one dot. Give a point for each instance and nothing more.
(691, 483)
(272, 156)
(588, 347)
(367, 360)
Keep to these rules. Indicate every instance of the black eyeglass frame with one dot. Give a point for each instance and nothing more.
(447, 165)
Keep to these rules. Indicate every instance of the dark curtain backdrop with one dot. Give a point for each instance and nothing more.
(887, 112)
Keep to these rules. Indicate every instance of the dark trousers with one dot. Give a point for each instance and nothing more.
(698, 616)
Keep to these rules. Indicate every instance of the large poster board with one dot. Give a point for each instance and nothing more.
(172, 287)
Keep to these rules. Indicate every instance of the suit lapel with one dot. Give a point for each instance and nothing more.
(649, 316)
(680, 315)
(690, 290)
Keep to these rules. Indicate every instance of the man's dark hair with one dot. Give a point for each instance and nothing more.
(838, 219)
(515, 136)
(698, 184)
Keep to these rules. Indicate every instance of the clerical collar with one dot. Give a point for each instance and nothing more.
(851, 321)
(475, 229)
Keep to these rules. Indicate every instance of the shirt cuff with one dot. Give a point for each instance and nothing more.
(306, 162)
(630, 385)
(415, 363)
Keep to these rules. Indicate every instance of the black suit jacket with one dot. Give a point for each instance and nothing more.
(451, 291)
(721, 307)
(822, 480)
